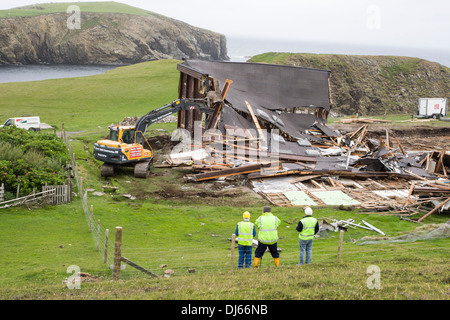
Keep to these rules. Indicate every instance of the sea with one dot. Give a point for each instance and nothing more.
(240, 49)
(22, 73)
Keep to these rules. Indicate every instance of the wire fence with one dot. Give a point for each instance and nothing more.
(100, 235)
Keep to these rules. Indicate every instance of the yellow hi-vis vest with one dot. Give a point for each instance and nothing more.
(309, 224)
(267, 224)
(245, 229)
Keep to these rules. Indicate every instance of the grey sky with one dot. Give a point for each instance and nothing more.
(406, 23)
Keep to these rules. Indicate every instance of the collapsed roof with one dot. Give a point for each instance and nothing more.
(274, 92)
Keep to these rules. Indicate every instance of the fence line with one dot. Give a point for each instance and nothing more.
(99, 234)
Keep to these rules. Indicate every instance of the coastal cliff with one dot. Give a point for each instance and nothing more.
(372, 85)
(104, 38)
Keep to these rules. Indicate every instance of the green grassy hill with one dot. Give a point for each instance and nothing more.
(99, 7)
(372, 85)
(88, 102)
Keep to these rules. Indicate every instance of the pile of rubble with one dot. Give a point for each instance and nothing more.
(329, 168)
(132, 121)
(270, 128)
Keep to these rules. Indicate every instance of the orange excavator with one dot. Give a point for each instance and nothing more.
(127, 145)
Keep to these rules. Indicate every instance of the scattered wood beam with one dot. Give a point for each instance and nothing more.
(435, 209)
(234, 171)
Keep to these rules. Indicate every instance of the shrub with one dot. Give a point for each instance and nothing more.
(31, 159)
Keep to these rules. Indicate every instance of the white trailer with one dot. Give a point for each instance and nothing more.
(435, 108)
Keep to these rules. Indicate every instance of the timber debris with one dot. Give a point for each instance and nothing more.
(269, 127)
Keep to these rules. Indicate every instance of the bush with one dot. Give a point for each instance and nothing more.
(9, 152)
(31, 159)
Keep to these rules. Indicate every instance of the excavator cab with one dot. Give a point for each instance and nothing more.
(122, 134)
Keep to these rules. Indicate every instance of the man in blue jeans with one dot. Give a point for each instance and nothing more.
(308, 227)
(245, 231)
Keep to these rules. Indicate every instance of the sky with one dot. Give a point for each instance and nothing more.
(400, 23)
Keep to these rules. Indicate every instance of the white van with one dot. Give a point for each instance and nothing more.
(28, 123)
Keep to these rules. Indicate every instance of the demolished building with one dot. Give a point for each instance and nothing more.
(273, 120)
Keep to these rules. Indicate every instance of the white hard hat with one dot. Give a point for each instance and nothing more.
(308, 211)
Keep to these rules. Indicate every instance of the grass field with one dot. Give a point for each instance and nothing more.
(88, 102)
(39, 244)
(48, 8)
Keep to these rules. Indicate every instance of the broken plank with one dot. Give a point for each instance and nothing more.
(255, 120)
(134, 265)
(400, 146)
(411, 190)
(234, 171)
(303, 178)
(373, 228)
(435, 209)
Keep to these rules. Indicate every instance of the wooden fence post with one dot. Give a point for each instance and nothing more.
(106, 246)
(233, 241)
(2, 191)
(117, 253)
(98, 235)
(90, 218)
(341, 238)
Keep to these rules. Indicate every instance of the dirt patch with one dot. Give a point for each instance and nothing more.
(202, 193)
(170, 184)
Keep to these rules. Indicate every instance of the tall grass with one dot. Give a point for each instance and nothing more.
(9, 152)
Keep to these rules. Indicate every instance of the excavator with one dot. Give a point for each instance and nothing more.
(127, 145)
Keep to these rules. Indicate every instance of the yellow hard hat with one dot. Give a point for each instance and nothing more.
(246, 215)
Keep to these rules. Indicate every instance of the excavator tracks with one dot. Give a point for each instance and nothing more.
(107, 170)
(142, 169)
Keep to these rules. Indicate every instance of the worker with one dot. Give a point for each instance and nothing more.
(267, 224)
(307, 228)
(245, 231)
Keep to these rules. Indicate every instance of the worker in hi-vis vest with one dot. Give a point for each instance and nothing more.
(308, 227)
(267, 225)
(245, 231)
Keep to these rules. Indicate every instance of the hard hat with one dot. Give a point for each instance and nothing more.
(246, 215)
(308, 211)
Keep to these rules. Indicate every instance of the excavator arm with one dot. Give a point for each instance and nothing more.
(158, 114)
(138, 153)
